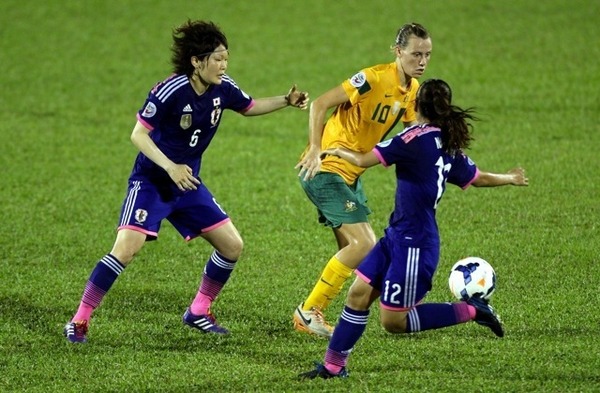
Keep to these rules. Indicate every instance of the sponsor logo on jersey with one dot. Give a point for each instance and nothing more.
(149, 110)
(140, 216)
(358, 79)
(186, 121)
(187, 108)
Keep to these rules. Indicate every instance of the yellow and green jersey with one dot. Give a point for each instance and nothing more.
(377, 104)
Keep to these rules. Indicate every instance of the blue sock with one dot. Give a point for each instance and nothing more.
(432, 316)
(350, 328)
(103, 276)
(218, 268)
(106, 272)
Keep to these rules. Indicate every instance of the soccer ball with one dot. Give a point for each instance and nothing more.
(472, 276)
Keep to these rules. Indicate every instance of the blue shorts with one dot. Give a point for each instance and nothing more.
(191, 213)
(403, 274)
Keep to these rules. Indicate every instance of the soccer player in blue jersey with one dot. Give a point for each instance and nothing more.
(400, 268)
(174, 127)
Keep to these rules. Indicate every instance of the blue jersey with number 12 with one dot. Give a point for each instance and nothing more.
(422, 170)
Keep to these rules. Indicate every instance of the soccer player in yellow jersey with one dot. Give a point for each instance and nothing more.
(367, 107)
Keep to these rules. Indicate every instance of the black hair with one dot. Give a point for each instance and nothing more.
(194, 38)
(434, 102)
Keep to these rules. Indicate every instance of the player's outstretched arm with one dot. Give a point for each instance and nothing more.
(515, 177)
(296, 98)
(363, 160)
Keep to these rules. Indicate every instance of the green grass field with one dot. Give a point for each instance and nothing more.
(75, 72)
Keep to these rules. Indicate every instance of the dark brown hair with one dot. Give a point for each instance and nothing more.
(434, 102)
(194, 38)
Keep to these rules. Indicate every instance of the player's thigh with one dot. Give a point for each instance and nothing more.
(357, 234)
(361, 295)
(127, 244)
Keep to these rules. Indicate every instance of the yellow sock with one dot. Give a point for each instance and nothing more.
(329, 285)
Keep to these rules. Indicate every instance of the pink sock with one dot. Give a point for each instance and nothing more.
(469, 312)
(84, 312)
(332, 368)
(201, 304)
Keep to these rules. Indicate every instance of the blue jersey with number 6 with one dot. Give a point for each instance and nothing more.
(422, 170)
(183, 123)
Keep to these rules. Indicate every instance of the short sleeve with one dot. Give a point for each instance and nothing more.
(394, 151)
(463, 171)
(359, 85)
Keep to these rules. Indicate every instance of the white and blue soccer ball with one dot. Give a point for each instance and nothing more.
(470, 277)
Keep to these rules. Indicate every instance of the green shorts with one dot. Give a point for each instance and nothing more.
(337, 202)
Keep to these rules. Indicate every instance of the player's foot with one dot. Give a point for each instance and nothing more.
(75, 331)
(486, 316)
(321, 372)
(311, 321)
(205, 323)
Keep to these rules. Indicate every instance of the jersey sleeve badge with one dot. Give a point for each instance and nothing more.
(359, 80)
(149, 110)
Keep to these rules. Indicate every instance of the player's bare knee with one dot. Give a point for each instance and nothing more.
(124, 255)
(369, 242)
(233, 249)
(394, 327)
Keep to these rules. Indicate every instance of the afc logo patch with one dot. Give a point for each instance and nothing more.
(149, 110)
(358, 79)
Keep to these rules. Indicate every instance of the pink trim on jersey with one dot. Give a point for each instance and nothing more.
(144, 123)
(472, 180)
(248, 107)
(380, 157)
(417, 131)
(138, 229)
(210, 228)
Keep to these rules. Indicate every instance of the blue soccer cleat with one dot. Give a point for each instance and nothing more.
(75, 331)
(205, 323)
(321, 372)
(486, 316)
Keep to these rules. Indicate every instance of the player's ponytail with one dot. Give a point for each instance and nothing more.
(434, 102)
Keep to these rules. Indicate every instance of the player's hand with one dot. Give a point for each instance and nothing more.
(182, 176)
(329, 152)
(519, 178)
(298, 99)
(310, 164)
